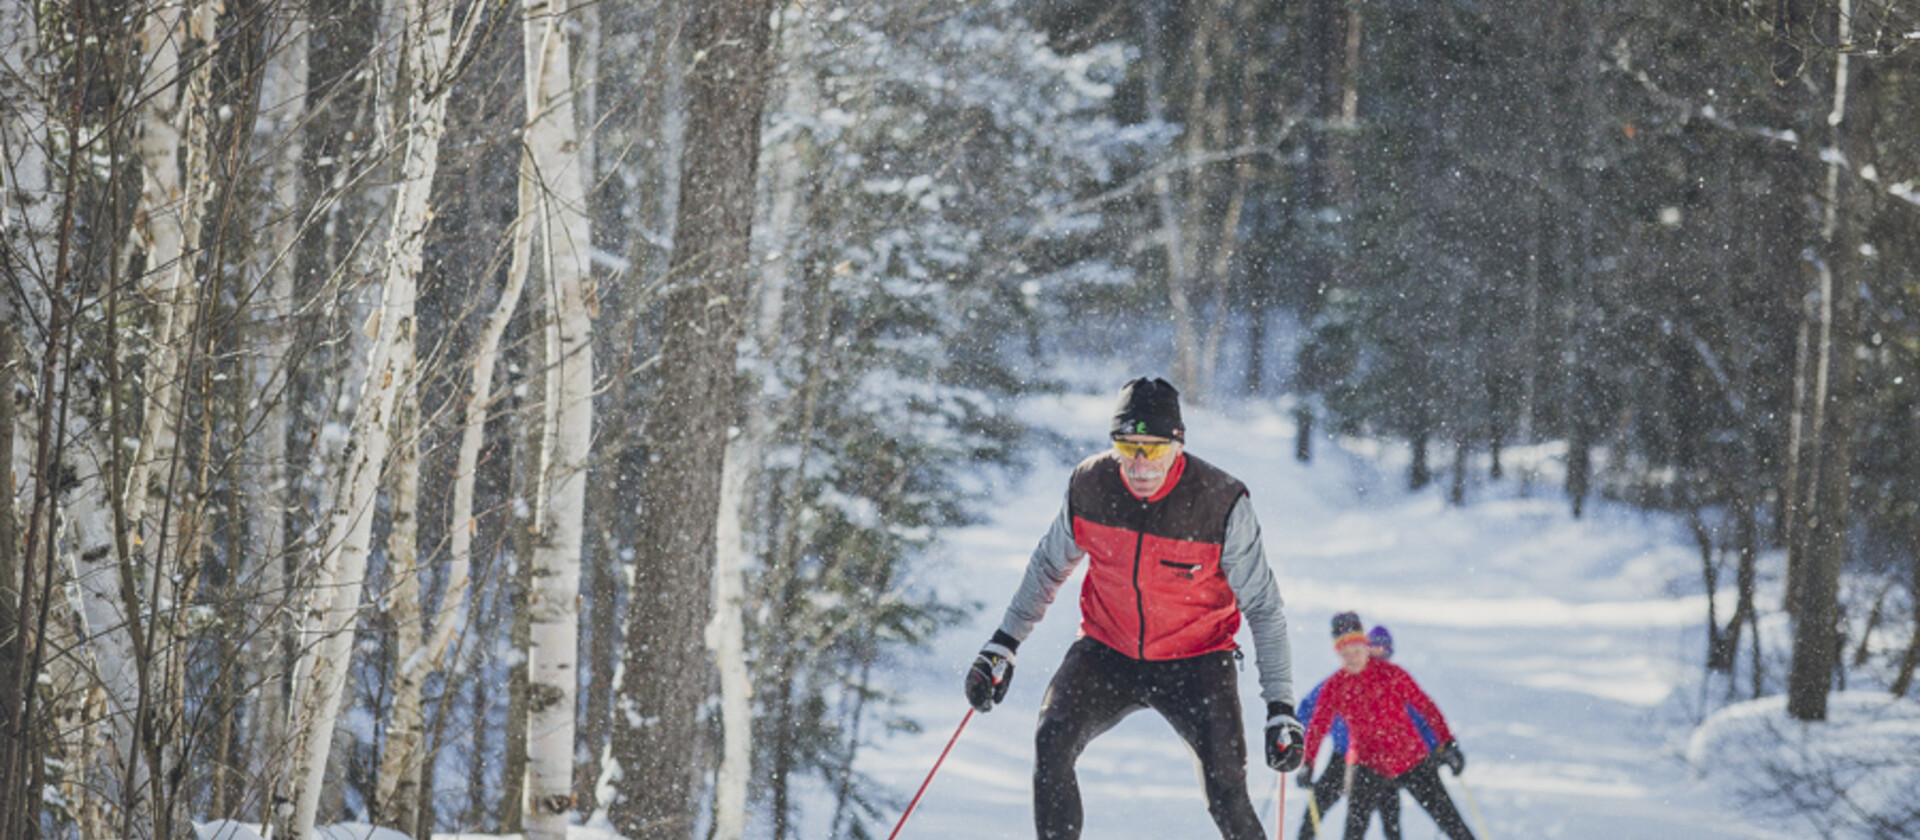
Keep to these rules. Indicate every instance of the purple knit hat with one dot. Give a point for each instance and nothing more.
(1380, 638)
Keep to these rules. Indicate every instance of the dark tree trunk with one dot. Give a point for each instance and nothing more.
(1792, 229)
(513, 773)
(1720, 656)
(17, 755)
(1911, 661)
(602, 643)
(478, 799)
(1457, 488)
(1710, 578)
(1420, 473)
(1579, 467)
(1303, 434)
(1817, 639)
(703, 315)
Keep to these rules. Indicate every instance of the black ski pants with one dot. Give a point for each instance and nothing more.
(1371, 790)
(1327, 790)
(1096, 687)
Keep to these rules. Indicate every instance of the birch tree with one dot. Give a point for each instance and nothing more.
(320, 675)
(173, 152)
(554, 172)
(127, 590)
(656, 720)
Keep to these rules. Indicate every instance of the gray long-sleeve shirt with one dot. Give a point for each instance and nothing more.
(1242, 559)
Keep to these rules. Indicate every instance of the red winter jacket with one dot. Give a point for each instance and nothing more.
(1154, 587)
(1374, 703)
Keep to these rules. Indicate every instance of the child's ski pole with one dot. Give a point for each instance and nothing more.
(1313, 810)
(936, 768)
(1472, 806)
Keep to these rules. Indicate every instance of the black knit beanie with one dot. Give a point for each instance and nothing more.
(1346, 628)
(1149, 407)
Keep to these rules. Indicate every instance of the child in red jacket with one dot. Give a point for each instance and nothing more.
(1374, 696)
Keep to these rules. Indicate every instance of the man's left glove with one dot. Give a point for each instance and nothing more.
(1450, 755)
(1286, 741)
(992, 671)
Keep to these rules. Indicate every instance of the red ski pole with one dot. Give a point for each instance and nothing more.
(1280, 829)
(936, 769)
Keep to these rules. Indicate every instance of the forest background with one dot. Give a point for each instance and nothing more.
(478, 415)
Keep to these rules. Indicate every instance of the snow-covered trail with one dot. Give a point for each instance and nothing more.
(1556, 648)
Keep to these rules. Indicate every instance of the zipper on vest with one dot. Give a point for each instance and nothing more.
(1139, 596)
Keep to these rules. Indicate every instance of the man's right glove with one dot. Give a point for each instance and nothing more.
(1450, 755)
(1286, 741)
(1304, 778)
(992, 671)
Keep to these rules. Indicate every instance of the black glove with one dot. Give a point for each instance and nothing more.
(1286, 741)
(1304, 778)
(992, 671)
(1450, 755)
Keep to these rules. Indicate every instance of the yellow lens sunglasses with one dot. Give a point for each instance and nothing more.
(1148, 450)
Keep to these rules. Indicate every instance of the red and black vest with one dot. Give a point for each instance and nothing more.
(1154, 588)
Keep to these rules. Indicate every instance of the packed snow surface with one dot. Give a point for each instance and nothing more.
(1564, 652)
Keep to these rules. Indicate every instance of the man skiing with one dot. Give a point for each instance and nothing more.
(1379, 701)
(1174, 560)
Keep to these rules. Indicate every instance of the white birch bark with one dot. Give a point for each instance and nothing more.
(283, 105)
(726, 638)
(99, 598)
(172, 150)
(320, 675)
(553, 166)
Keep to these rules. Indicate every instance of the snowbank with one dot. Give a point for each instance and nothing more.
(1856, 772)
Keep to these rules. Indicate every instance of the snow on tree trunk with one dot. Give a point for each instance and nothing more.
(656, 721)
(553, 168)
(320, 676)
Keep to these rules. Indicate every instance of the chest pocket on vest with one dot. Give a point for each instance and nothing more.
(1183, 570)
(1180, 565)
